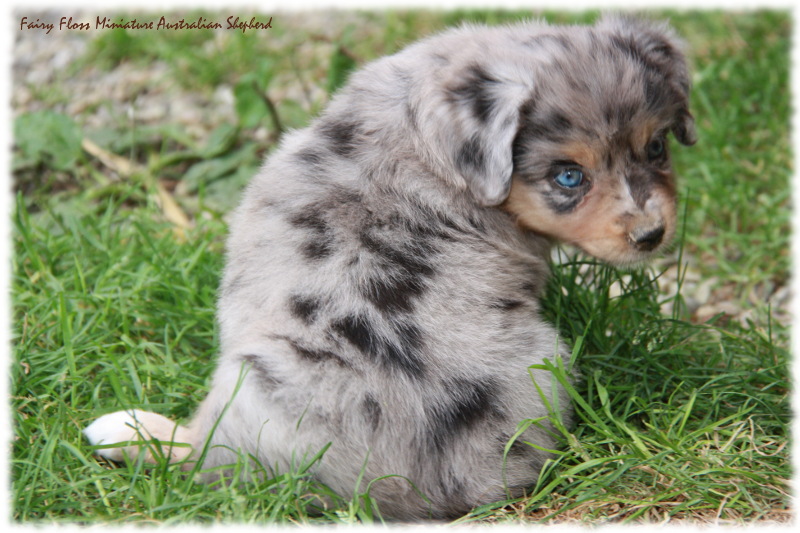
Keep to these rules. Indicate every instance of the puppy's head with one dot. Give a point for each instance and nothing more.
(589, 158)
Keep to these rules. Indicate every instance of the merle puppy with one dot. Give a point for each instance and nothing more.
(383, 269)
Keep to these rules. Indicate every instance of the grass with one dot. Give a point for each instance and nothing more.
(113, 292)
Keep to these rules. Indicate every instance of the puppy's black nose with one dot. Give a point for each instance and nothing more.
(646, 239)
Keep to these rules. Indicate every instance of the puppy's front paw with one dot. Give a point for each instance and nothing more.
(143, 432)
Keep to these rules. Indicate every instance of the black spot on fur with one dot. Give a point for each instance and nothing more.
(470, 403)
(409, 346)
(393, 294)
(310, 157)
(507, 304)
(618, 114)
(522, 140)
(342, 136)
(319, 245)
(372, 411)
(309, 218)
(626, 45)
(412, 258)
(303, 307)
(403, 270)
(412, 115)
(531, 288)
(554, 127)
(405, 354)
(405, 265)
(660, 85)
(311, 355)
(470, 156)
(564, 42)
(423, 224)
(400, 354)
(558, 123)
(665, 50)
(318, 249)
(476, 91)
(609, 161)
(660, 94)
(430, 225)
(654, 55)
(317, 356)
(631, 48)
(261, 371)
(359, 331)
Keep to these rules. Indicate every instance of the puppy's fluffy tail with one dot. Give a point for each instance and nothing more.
(135, 432)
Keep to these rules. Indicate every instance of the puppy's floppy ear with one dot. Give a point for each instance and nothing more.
(483, 110)
(657, 47)
(683, 128)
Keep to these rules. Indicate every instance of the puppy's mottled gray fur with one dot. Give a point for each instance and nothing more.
(384, 267)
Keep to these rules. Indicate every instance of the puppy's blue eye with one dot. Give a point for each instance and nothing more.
(569, 177)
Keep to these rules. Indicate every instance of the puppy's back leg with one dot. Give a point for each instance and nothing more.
(143, 432)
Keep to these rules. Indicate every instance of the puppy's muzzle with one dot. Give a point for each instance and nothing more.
(647, 238)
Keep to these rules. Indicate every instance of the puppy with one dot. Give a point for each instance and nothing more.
(383, 270)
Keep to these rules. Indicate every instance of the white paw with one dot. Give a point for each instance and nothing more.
(136, 428)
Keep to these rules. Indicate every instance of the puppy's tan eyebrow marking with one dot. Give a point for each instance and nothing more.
(644, 133)
(583, 154)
